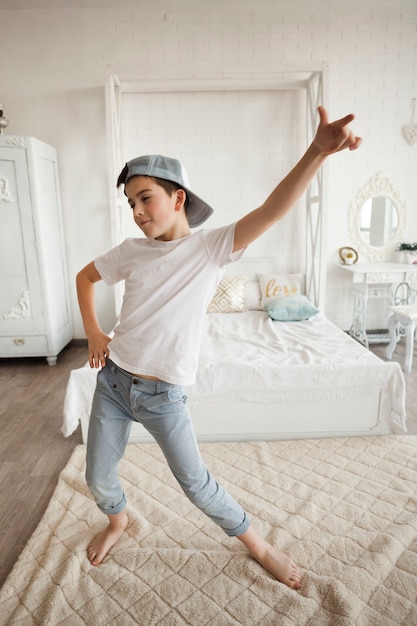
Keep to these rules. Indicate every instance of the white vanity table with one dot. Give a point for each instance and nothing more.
(375, 280)
(377, 220)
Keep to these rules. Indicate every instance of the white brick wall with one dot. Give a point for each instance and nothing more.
(54, 61)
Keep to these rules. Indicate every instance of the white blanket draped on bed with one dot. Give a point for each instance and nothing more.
(288, 361)
(247, 356)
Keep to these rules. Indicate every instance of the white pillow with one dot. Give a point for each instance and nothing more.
(230, 296)
(253, 296)
(277, 285)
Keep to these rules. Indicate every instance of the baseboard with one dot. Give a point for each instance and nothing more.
(78, 343)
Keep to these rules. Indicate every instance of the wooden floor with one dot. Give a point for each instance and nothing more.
(410, 381)
(33, 451)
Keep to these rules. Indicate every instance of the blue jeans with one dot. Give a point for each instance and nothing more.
(119, 400)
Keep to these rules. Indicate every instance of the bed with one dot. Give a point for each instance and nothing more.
(263, 379)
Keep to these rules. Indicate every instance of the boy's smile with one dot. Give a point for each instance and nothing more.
(158, 215)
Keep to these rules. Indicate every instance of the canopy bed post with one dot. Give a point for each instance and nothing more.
(113, 99)
(316, 242)
(113, 115)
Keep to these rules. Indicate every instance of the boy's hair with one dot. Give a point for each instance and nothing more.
(169, 186)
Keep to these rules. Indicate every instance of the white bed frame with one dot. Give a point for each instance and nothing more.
(246, 421)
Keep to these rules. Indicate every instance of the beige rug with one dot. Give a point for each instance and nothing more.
(346, 510)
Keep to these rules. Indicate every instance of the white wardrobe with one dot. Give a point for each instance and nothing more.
(35, 318)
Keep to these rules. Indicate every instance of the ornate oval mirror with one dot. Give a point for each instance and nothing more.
(377, 218)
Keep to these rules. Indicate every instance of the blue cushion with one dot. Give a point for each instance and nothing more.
(291, 308)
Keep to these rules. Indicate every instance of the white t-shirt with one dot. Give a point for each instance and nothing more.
(168, 287)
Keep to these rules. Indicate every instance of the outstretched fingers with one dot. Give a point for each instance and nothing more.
(335, 136)
(356, 143)
(343, 121)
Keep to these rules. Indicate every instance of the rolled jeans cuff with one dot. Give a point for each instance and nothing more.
(114, 510)
(242, 528)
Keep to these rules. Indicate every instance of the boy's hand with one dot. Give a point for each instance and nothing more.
(98, 350)
(335, 136)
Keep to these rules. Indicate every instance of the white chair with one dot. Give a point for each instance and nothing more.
(403, 322)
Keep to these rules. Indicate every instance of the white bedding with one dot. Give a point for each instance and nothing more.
(249, 357)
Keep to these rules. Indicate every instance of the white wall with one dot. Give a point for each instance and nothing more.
(53, 62)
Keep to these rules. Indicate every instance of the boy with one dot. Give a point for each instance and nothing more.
(170, 277)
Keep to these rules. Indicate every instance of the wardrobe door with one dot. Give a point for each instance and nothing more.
(21, 302)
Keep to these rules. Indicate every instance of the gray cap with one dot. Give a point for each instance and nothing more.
(173, 170)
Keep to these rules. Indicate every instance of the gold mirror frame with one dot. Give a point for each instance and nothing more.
(379, 185)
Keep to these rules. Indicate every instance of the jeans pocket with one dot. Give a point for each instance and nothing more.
(164, 402)
(108, 379)
(176, 395)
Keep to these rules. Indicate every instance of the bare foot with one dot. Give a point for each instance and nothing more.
(275, 561)
(105, 540)
(281, 566)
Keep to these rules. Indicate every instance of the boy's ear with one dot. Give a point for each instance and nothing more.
(180, 199)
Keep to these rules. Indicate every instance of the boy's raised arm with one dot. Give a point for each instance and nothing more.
(330, 138)
(97, 339)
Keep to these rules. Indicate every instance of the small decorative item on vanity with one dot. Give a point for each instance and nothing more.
(3, 122)
(407, 252)
(348, 255)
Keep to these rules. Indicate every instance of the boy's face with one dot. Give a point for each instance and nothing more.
(158, 215)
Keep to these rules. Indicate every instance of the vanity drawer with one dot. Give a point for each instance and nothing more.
(20, 345)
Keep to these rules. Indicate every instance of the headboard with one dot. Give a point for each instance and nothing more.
(251, 266)
(269, 266)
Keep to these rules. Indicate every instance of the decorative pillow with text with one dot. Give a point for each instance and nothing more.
(279, 285)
